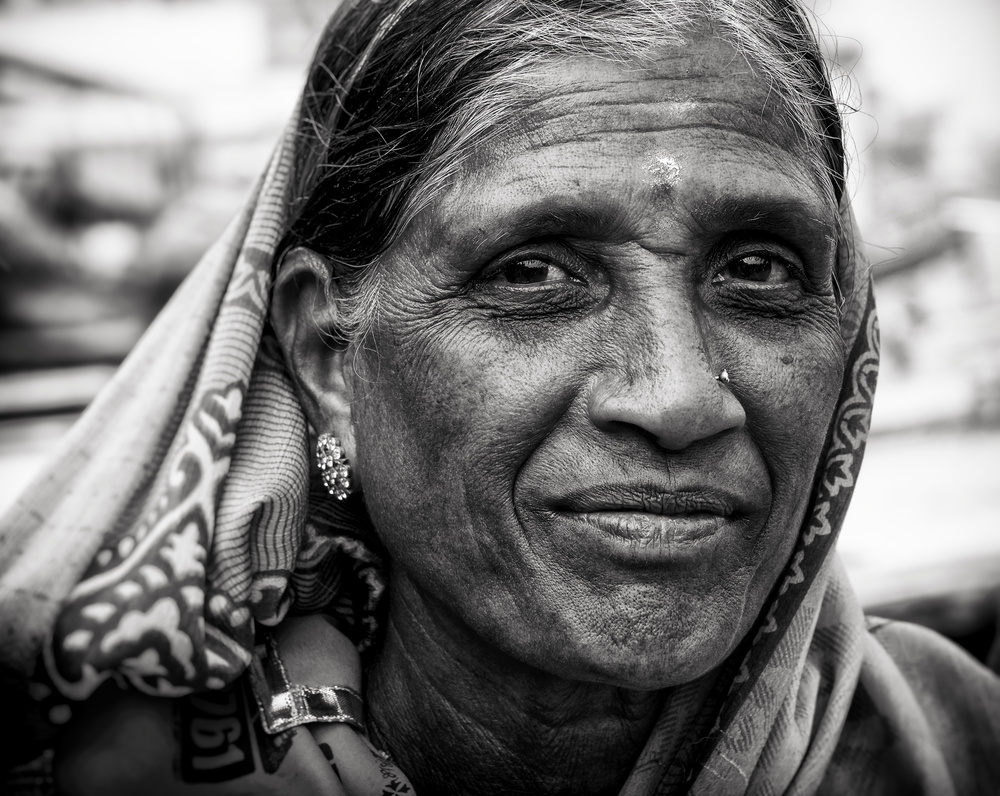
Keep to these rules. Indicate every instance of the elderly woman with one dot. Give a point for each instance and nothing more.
(539, 370)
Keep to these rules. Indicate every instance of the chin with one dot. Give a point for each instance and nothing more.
(655, 673)
(647, 658)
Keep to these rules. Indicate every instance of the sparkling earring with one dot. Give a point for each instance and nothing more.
(333, 466)
(723, 377)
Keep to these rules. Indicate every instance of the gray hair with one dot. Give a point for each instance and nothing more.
(401, 92)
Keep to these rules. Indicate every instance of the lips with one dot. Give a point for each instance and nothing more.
(652, 499)
(655, 530)
(653, 517)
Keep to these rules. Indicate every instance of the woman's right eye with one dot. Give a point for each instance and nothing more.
(532, 271)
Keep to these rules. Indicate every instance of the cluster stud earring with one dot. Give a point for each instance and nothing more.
(333, 466)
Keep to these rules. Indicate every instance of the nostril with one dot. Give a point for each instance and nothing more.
(676, 411)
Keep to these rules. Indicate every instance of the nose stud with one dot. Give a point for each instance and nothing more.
(723, 377)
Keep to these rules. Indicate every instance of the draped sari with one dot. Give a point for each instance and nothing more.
(183, 511)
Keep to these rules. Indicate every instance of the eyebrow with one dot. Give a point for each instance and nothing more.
(553, 216)
(788, 216)
(797, 220)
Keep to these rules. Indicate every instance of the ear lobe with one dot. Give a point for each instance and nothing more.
(304, 318)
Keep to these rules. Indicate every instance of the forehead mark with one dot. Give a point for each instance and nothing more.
(665, 173)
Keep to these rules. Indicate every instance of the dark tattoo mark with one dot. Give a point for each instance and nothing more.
(328, 754)
(395, 785)
(213, 736)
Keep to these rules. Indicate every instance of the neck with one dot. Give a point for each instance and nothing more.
(460, 716)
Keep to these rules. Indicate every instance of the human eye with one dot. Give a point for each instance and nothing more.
(532, 271)
(539, 280)
(758, 268)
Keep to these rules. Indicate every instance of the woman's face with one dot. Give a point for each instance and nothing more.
(543, 444)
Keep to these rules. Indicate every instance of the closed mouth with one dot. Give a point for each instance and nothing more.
(650, 499)
(645, 529)
(649, 517)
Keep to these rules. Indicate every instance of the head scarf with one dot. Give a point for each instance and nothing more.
(184, 508)
(180, 502)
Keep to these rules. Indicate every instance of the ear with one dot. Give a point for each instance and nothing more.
(304, 318)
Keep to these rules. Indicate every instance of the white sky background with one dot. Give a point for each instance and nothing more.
(926, 52)
(925, 55)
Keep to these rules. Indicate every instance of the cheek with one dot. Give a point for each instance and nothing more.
(444, 424)
(803, 396)
(463, 394)
(788, 385)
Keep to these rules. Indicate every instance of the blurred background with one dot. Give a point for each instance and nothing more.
(131, 131)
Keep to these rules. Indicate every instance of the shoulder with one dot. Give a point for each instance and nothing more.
(940, 673)
(951, 694)
(123, 742)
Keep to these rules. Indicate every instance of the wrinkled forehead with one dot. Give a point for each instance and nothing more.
(593, 124)
(704, 81)
(704, 85)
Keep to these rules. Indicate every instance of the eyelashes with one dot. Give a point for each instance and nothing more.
(533, 271)
(750, 274)
(758, 269)
(741, 263)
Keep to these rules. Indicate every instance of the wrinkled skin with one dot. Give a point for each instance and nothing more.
(563, 485)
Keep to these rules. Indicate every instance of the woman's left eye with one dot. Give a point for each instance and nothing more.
(532, 272)
(757, 267)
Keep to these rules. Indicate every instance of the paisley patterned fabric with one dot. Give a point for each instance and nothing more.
(181, 504)
(183, 510)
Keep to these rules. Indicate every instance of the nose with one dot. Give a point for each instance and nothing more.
(659, 380)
